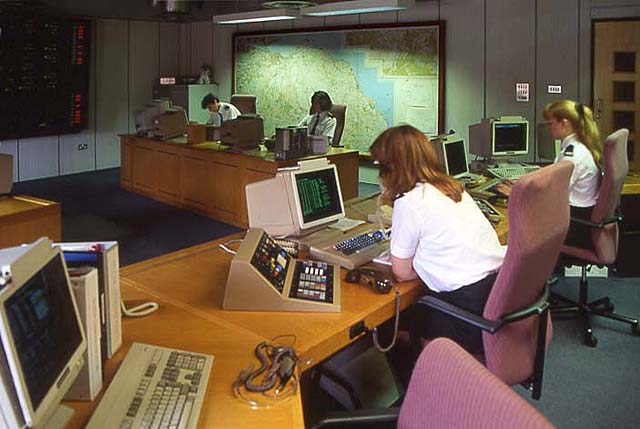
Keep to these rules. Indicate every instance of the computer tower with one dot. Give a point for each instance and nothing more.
(84, 282)
(103, 256)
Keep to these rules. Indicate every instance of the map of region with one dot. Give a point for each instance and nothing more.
(385, 77)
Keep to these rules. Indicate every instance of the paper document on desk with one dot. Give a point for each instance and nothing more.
(345, 224)
(384, 258)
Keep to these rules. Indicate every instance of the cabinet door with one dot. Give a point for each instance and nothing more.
(193, 182)
(168, 173)
(126, 151)
(144, 175)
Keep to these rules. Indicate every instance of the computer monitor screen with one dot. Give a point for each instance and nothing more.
(318, 197)
(41, 333)
(44, 328)
(455, 158)
(510, 138)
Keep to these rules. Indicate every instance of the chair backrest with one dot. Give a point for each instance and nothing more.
(538, 223)
(616, 167)
(246, 103)
(339, 111)
(449, 388)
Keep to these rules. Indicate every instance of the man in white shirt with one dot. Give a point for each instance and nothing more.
(219, 111)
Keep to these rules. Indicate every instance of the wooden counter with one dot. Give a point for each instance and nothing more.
(209, 178)
(24, 219)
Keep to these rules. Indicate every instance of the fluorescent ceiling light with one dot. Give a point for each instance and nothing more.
(256, 16)
(357, 6)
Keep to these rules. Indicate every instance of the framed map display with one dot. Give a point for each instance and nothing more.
(385, 75)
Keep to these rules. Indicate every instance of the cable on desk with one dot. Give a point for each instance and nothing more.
(141, 310)
(224, 247)
(275, 381)
(395, 328)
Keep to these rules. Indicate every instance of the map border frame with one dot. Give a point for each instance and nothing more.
(440, 25)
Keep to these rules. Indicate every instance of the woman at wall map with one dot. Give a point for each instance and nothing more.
(320, 121)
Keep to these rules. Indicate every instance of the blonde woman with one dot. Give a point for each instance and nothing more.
(439, 235)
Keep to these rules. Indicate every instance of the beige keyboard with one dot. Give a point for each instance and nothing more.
(155, 388)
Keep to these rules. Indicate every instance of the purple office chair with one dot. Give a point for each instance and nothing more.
(449, 388)
(604, 235)
(339, 111)
(515, 322)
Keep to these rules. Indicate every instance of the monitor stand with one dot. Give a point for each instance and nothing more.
(58, 419)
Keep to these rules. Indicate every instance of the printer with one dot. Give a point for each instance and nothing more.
(170, 124)
(243, 132)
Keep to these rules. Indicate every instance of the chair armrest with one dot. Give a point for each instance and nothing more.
(357, 418)
(459, 313)
(537, 307)
(488, 325)
(601, 224)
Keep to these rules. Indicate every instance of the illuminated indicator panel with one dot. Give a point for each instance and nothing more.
(44, 74)
(271, 261)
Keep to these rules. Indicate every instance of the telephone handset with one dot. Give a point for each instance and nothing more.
(377, 280)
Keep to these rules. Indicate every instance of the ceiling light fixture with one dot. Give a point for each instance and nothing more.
(357, 6)
(256, 16)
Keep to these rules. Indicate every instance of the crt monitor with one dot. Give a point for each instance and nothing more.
(505, 136)
(298, 200)
(42, 337)
(455, 157)
(548, 147)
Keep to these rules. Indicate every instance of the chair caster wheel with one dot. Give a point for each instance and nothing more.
(635, 330)
(590, 339)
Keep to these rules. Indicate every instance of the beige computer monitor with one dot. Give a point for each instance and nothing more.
(298, 200)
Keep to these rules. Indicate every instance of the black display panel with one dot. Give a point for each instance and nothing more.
(44, 75)
(45, 328)
(456, 158)
(319, 194)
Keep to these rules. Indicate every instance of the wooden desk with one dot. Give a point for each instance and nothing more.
(24, 219)
(208, 178)
(177, 326)
(195, 279)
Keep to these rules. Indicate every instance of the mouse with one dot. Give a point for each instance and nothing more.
(353, 276)
(499, 199)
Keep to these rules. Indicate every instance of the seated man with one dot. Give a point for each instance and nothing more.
(220, 111)
(320, 121)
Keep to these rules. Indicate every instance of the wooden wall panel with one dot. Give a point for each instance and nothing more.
(510, 58)
(143, 65)
(112, 115)
(169, 49)
(201, 45)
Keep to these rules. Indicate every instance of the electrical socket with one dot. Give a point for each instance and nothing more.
(83, 146)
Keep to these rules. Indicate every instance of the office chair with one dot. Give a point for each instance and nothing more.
(246, 103)
(339, 111)
(515, 322)
(604, 235)
(449, 388)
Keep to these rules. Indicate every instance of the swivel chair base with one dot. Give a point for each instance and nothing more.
(602, 307)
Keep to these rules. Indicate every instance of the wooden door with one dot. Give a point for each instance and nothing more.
(616, 81)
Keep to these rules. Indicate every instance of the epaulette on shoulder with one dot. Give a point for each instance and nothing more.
(568, 151)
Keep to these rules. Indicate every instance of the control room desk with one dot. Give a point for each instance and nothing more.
(189, 286)
(209, 178)
(24, 219)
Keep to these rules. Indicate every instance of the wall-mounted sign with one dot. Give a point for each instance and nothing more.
(522, 91)
(554, 89)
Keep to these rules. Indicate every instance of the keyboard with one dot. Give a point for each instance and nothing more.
(155, 388)
(361, 241)
(488, 210)
(511, 171)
